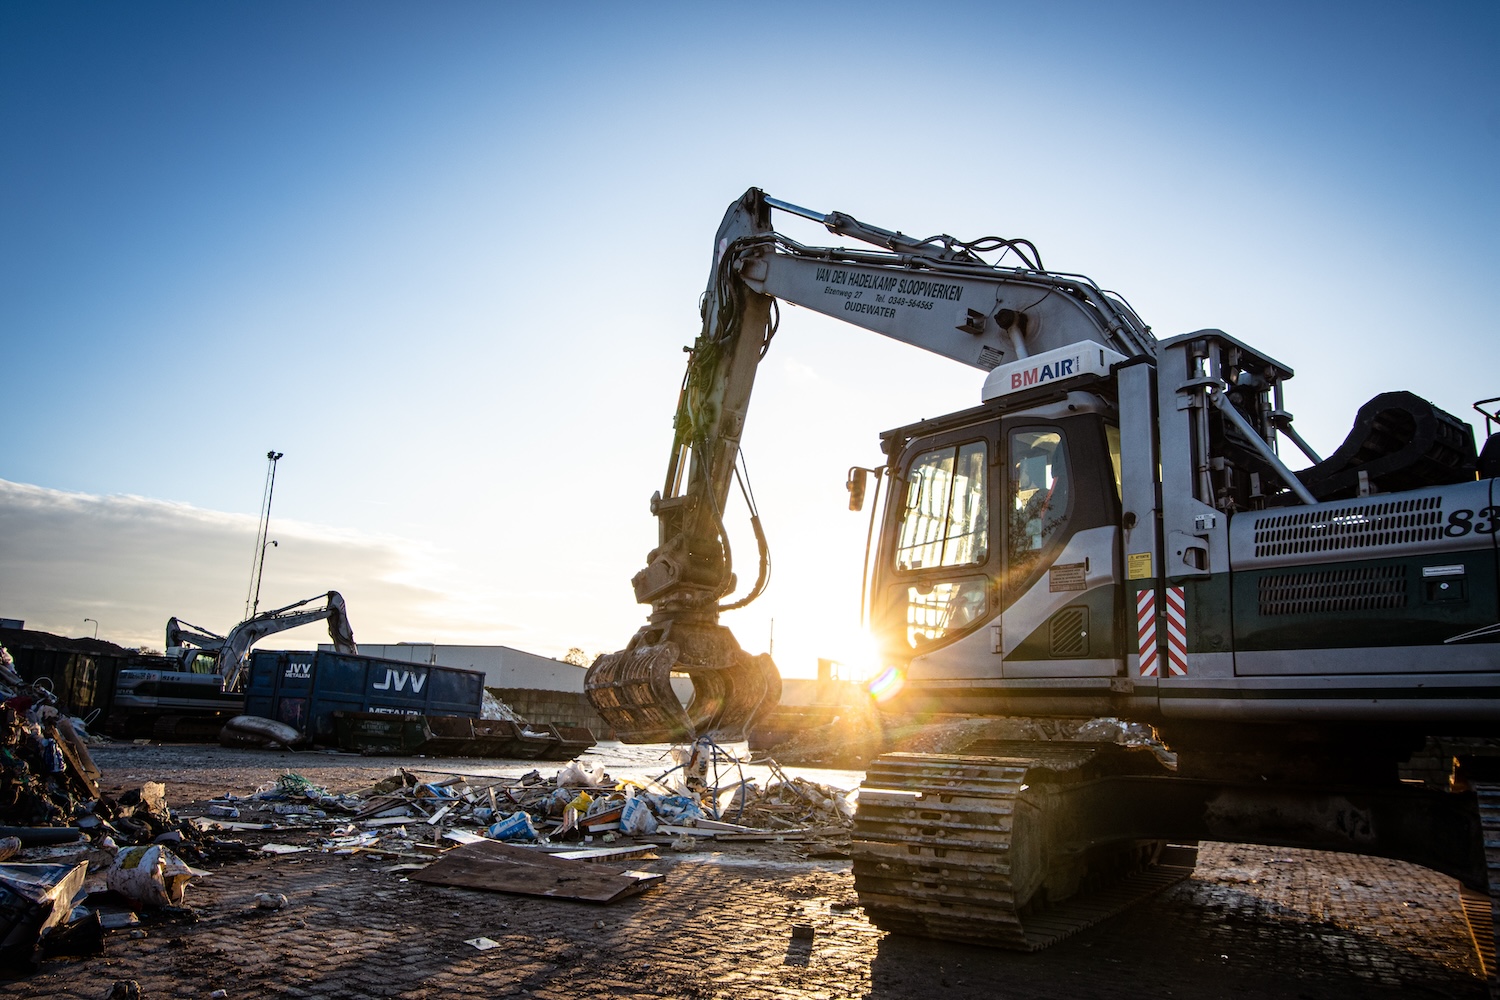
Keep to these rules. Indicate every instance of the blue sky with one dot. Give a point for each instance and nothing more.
(445, 256)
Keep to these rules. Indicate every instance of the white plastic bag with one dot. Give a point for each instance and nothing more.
(150, 876)
(572, 776)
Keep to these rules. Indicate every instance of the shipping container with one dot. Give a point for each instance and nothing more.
(303, 689)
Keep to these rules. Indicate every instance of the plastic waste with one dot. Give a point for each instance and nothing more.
(636, 818)
(517, 826)
(573, 775)
(150, 876)
(674, 808)
(34, 899)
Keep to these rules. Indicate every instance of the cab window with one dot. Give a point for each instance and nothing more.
(1112, 438)
(1038, 498)
(946, 518)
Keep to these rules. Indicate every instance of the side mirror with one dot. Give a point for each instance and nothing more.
(855, 484)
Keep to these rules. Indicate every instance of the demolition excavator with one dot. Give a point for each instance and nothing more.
(1111, 532)
(200, 682)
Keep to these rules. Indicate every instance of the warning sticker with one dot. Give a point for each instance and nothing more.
(1067, 576)
(1138, 566)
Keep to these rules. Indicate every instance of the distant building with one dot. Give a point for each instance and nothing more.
(503, 666)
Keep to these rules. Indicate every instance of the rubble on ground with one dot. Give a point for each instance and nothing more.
(56, 825)
(705, 795)
(858, 736)
(80, 862)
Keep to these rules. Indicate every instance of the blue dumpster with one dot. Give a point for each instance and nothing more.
(304, 688)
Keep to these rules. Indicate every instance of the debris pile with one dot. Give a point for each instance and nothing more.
(706, 795)
(51, 808)
(127, 858)
(47, 771)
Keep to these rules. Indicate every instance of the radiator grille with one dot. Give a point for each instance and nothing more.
(1367, 588)
(1069, 634)
(1367, 526)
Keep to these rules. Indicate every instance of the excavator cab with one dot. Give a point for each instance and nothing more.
(1000, 555)
(200, 661)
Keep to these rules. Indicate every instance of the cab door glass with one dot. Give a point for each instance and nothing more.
(1038, 497)
(943, 536)
(938, 609)
(946, 518)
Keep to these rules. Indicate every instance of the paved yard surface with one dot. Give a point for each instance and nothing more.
(1252, 922)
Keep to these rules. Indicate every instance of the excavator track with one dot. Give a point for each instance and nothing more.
(955, 848)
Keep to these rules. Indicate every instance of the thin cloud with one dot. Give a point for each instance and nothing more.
(131, 562)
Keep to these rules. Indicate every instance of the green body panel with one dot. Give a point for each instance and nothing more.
(1210, 617)
(1105, 637)
(1403, 609)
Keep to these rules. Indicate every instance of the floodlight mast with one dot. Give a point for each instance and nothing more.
(258, 559)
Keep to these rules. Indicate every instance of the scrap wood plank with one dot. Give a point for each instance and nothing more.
(209, 823)
(719, 826)
(797, 834)
(643, 851)
(462, 836)
(379, 804)
(501, 867)
(76, 771)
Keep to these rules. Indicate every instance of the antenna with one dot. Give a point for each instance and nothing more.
(258, 559)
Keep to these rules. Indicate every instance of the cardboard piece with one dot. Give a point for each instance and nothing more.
(524, 871)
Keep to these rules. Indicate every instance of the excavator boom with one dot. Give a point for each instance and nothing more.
(235, 654)
(938, 294)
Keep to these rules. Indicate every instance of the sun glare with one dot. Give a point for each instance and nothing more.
(859, 657)
(886, 685)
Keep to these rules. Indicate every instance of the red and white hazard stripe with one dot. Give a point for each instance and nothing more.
(1176, 632)
(1145, 628)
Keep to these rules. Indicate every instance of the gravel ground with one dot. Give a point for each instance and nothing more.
(1251, 922)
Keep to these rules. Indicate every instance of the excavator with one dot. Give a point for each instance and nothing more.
(1109, 533)
(201, 681)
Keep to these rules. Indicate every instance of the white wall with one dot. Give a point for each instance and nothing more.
(503, 667)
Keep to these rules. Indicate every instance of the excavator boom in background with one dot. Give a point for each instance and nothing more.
(201, 682)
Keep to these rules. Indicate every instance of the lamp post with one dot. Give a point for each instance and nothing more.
(262, 534)
(259, 570)
(96, 625)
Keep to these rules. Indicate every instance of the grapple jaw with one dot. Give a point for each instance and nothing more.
(632, 689)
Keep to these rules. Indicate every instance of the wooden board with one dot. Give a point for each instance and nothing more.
(645, 851)
(522, 871)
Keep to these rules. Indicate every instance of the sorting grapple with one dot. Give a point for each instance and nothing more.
(632, 689)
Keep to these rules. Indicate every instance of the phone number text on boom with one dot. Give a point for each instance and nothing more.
(901, 300)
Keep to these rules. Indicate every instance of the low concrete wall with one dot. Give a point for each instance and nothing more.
(561, 708)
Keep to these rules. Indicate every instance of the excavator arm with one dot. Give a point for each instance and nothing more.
(938, 294)
(235, 654)
(181, 633)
